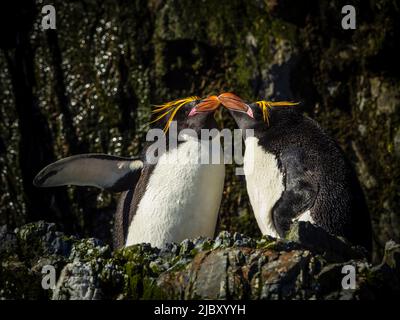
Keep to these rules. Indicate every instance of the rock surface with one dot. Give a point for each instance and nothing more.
(306, 265)
(90, 83)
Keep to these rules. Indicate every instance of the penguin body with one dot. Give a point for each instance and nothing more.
(191, 191)
(175, 198)
(295, 171)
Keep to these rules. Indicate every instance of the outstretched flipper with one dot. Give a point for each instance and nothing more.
(98, 170)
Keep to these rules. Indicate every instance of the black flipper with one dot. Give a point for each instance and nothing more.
(122, 219)
(127, 206)
(300, 192)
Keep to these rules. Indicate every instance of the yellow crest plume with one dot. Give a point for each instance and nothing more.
(171, 108)
(267, 105)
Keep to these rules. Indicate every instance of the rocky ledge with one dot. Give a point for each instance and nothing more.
(308, 264)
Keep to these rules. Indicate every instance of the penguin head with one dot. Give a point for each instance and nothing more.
(260, 114)
(189, 113)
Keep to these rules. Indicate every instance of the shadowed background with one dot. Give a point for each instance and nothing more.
(88, 86)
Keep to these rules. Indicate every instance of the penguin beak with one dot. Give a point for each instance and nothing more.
(208, 104)
(234, 103)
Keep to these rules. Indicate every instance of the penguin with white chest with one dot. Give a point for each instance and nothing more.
(295, 171)
(167, 200)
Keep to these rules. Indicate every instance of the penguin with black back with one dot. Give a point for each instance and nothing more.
(172, 196)
(295, 171)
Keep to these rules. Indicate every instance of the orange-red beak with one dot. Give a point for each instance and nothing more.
(208, 104)
(234, 103)
(227, 99)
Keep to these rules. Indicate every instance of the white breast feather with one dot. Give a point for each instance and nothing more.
(264, 184)
(181, 199)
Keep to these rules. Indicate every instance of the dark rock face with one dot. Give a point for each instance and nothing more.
(24, 252)
(306, 265)
(88, 86)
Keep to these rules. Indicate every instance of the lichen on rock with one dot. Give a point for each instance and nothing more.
(306, 265)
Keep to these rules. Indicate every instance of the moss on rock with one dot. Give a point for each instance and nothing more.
(231, 266)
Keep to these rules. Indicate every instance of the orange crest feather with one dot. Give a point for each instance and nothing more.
(171, 108)
(267, 105)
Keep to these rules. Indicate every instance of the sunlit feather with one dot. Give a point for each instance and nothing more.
(172, 108)
(267, 105)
